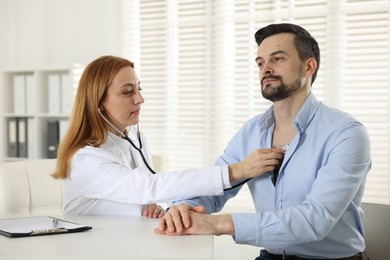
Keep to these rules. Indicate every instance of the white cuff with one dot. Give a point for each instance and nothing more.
(225, 177)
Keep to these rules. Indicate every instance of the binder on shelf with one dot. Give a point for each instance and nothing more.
(19, 94)
(53, 138)
(31, 139)
(12, 145)
(41, 225)
(22, 127)
(54, 89)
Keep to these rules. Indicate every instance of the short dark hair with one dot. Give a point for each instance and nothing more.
(305, 44)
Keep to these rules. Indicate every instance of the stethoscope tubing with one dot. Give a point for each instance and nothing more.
(139, 149)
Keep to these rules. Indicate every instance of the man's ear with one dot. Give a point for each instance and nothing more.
(311, 65)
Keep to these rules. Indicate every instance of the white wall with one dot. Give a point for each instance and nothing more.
(42, 33)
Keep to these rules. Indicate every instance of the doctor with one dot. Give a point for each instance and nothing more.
(105, 161)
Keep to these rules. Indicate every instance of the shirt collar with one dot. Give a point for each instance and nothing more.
(302, 120)
(307, 112)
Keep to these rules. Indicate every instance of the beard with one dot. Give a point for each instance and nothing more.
(281, 91)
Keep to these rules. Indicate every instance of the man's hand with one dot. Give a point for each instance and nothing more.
(153, 211)
(177, 218)
(202, 224)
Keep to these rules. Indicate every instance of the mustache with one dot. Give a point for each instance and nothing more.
(270, 77)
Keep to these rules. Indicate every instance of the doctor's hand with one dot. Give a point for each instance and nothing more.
(203, 224)
(153, 211)
(257, 163)
(177, 219)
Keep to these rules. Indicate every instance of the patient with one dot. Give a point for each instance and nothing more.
(105, 161)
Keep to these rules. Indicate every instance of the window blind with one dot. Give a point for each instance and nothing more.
(365, 89)
(196, 64)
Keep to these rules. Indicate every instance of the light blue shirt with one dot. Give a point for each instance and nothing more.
(313, 211)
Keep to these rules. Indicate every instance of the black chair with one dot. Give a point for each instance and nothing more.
(377, 225)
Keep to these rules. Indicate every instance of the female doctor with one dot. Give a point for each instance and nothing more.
(105, 161)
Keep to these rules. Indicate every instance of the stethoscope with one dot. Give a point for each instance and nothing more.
(139, 149)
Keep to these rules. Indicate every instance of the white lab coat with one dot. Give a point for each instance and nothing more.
(113, 180)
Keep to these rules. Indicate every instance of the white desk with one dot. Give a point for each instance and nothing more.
(110, 238)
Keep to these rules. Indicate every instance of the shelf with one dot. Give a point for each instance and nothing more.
(33, 100)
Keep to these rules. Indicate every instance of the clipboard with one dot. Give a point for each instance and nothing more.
(36, 226)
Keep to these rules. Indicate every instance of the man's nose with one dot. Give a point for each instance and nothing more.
(267, 69)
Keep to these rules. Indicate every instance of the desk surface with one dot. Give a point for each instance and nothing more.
(110, 238)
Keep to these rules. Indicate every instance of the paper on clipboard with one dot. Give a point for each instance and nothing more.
(44, 225)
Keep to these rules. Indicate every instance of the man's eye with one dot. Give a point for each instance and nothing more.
(278, 59)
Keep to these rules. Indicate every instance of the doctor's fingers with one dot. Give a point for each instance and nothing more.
(200, 225)
(167, 225)
(268, 153)
(161, 213)
(265, 157)
(181, 211)
(178, 219)
(156, 212)
(153, 211)
(150, 208)
(261, 161)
